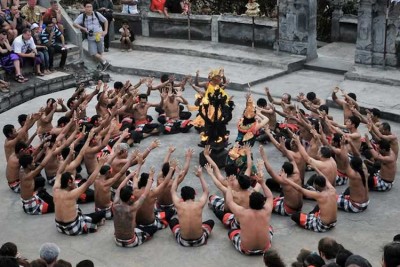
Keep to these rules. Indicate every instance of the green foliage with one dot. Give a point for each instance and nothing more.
(324, 17)
(230, 6)
(350, 7)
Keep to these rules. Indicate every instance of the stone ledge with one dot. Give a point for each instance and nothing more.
(34, 88)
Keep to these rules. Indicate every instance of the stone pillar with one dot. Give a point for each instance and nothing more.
(298, 27)
(364, 44)
(337, 14)
(144, 7)
(214, 28)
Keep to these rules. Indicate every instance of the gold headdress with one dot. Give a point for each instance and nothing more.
(213, 73)
(249, 111)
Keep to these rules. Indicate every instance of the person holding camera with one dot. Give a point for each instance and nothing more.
(24, 46)
(105, 7)
(90, 22)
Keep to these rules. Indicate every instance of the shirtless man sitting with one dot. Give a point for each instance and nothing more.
(323, 217)
(170, 104)
(146, 215)
(255, 233)
(189, 230)
(34, 202)
(384, 132)
(292, 200)
(12, 136)
(44, 124)
(384, 178)
(126, 233)
(355, 198)
(349, 101)
(102, 187)
(69, 218)
(351, 125)
(143, 128)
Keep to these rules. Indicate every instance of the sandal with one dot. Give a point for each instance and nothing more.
(20, 79)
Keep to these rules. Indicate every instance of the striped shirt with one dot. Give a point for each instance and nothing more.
(45, 35)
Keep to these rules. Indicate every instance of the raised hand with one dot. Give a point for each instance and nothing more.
(198, 171)
(207, 150)
(209, 169)
(156, 143)
(189, 152)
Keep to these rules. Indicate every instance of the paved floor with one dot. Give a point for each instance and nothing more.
(364, 233)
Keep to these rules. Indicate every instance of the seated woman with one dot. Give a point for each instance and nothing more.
(9, 60)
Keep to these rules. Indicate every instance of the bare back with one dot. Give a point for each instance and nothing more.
(190, 219)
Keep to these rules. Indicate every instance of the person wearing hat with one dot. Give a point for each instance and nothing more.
(42, 50)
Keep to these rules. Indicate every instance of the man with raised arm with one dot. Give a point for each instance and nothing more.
(323, 217)
(190, 230)
(69, 218)
(126, 233)
(292, 200)
(350, 100)
(146, 215)
(255, 233)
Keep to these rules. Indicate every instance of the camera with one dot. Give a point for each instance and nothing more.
(22, 16)
(90, 33)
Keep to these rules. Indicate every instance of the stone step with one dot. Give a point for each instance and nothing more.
(218, 51)
(145, 63)
(329, 64)
(376, 74)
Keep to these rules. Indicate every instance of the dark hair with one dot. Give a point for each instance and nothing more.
(87, 2)
(118, 85)
(231, 169)
(391, 254)
(125, 21)
(20, 146)
(63, 120)
(9, 249)
(386, 126)
(356, 164)
(289, 97)
(38, 263)
(104, 169)
(65, 152)
(355, 120)
(396, 238)
(384, 144)
(342, 256)
(25, 30)
(25, 160)
(94, 118)
(376, 112)
(66, 178)
(314, 260)
(22, 118)
(288, 168)
(329, 247)
(311, 96)
(164, 77)
(143, 180)
(165, 169)
(337, 138)
(62, 263)
(353, 96)
(8, 262)
(272, 259)
(85, 263)
(243, 181)
(69, 102)
(8, 130)
(247, 121)
(319, 180)
(125, 193)
(332, 264)
(257, 201)
(188, 193)
(143, 96)
(261, 102)
(326, 152)
(324, 108)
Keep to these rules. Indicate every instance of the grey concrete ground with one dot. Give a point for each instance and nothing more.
(363, 234)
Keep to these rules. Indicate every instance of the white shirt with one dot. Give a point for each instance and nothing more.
(22, 46)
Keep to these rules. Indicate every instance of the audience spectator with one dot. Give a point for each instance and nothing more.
(358, 261)
(49, 253)
(8, 262)
(157, 6)
(4, 25)
(32, 13)
(90, 23)
(62, 263)
(342, 256)
(49, 37)
(25, 48)
(54, 11)
(273, 259)
(328, 249)
(9, 249)
(129, 7)
(313, 260)
(41, 48)
(391, 254)
(38, 263)
(8, 60)
(126, 37)
(16, 20)
(172, 6)
(85, 263)
(105, 7)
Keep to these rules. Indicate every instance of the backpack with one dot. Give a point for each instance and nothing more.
(84, 34)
